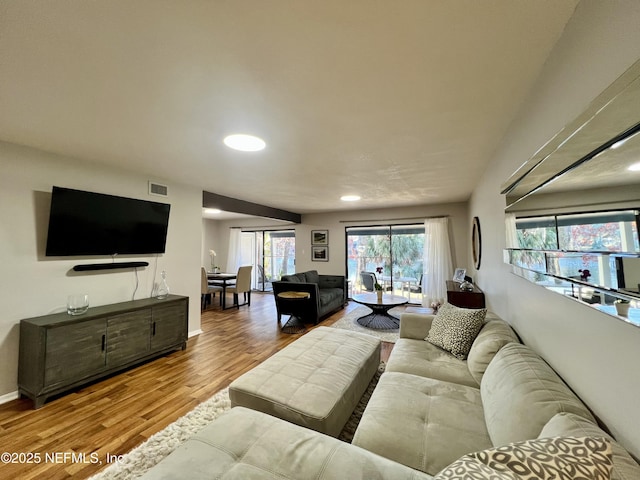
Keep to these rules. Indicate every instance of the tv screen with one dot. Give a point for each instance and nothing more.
(86, 223)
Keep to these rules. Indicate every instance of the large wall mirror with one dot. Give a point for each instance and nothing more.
(573, 209)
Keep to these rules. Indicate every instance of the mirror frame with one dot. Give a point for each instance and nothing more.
(476, 243)
(611, 117)
(599, 127)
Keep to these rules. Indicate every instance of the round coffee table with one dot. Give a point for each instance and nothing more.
(379, 318)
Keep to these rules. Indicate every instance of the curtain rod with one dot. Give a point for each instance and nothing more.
(270, 227)
(395, 219)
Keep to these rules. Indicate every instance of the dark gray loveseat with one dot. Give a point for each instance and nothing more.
(328, 294)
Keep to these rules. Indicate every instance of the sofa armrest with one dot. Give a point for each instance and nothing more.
(415, 325)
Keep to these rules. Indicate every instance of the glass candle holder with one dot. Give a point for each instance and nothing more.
(77, 304)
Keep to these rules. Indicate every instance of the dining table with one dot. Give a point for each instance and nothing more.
(223, 280)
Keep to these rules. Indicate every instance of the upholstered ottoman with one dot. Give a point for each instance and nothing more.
(245, 444)
(315, 382)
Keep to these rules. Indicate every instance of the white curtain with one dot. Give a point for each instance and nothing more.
(510, 229)
(234, 259)
(438, 266)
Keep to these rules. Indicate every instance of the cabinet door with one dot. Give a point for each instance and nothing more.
(168, 326)
(74, 351)
(128, 337)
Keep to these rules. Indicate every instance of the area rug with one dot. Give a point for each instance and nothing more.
(135, 463)
(348, 322)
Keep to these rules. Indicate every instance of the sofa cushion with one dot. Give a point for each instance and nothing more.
(244, 444)
(423, 423)
(312, 276)
(295, 278)
(418, 357)
(330, 295)
(494, 335)
(454, 329)
(569, 424)
(520, 393)
(558, 458)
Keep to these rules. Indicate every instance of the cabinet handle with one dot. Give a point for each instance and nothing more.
(104, 341)
(154, 329)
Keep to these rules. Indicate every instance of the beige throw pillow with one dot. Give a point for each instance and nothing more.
(454, 329)
(558, 458)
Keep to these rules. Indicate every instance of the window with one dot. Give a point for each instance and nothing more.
(396, 249)
(615, 231)
(570, 245)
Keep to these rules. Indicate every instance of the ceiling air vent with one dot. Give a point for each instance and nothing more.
(158, 189)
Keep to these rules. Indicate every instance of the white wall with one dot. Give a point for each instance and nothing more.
(34, 285)
(597, 355)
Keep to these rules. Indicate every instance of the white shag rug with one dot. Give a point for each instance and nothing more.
(146, 455)
(348, 322)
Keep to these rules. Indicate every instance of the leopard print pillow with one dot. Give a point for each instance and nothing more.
(454, 329)
(556, 458)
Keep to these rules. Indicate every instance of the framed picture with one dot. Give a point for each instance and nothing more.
(458, 276)
(319, 254)
(319, 237)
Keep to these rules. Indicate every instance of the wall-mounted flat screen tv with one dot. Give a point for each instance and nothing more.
(87, 223)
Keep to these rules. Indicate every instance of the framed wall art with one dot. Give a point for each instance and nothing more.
(319, 254)
(319, 237)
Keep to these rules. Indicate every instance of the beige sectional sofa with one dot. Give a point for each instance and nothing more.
(428, 411)
(434, 408)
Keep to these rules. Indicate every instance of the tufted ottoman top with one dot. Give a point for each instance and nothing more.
(315, 382)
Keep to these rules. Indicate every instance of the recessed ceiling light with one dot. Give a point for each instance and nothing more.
(635, 167)
(212, 210)
(244, 143)
(350, 198)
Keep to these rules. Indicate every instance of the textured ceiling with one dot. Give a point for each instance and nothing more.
(400, 102)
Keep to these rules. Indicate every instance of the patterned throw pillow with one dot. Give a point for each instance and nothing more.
(454, 329)
(557, 458)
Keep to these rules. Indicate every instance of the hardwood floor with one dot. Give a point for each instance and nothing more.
(72, 436)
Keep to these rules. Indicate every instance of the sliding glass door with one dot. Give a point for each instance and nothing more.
(274, 253)
(393, 252)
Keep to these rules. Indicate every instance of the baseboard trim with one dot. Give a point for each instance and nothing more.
(7, 397)
(194, 333)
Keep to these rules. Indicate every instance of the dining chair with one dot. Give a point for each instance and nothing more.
(418, 287)
(207, 291)
(243, 285)
(368, 280)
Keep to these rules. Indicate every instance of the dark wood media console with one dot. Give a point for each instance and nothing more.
(59, 352)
